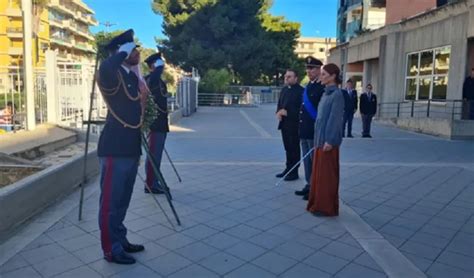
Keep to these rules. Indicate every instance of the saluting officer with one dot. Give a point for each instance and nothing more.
(160, 128)
(119, 146)
(287, 114)
(311, 96)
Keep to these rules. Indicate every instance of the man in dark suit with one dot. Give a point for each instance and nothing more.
(287, 113)
(119, 147)
(309, 109)
(159, 128)
(468, 94)
(350, 107)
(368, 109)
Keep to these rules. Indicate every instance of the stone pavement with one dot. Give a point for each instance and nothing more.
(415, 192)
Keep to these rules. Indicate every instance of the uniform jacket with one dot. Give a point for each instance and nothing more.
(351, 100)
(368, 106)
(290, 100)
(160, 93)
(116, 140)
(315, 91)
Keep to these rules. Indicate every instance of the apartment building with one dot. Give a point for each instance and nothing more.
(11, 34)
(357, 16)
(398, 10)
(69, 22)
(317, 47)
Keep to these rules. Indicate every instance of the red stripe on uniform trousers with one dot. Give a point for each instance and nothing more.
(107, 195)
(150, 176)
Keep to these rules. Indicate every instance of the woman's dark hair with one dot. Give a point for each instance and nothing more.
(333, 69)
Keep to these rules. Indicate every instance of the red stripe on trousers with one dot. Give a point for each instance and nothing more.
(107, 195)
(150, 176)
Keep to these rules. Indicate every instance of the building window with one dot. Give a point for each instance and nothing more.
(427, 74)
(321, 49)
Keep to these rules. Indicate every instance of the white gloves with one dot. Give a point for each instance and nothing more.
(159, 63)
(127, 48)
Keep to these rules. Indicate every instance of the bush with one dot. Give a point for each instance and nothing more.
(215, 81)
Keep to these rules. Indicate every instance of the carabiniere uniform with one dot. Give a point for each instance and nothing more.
(315, 91)
(160, 127)
(119, 150)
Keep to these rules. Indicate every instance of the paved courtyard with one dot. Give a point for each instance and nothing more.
(407, 211)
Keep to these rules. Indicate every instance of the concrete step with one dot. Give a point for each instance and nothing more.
(39, 142)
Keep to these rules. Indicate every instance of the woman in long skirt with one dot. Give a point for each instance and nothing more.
(324, 192)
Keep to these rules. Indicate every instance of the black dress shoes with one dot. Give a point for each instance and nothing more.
(282, 174)
(133, 248)
(122, 258)
(306, 196)
(154, 191)
(291, 177)
(302, 192)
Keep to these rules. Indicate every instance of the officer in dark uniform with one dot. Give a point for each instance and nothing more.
(311, 96)
(288, 116)
(119, 146)
(160, 128)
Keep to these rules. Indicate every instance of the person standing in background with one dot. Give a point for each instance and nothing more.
(368, 109)
(350, 107)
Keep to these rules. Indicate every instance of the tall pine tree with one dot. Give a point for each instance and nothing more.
(236, 34)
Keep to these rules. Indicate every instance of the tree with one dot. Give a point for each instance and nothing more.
(282, 35)
(214, 34)
(215, 81)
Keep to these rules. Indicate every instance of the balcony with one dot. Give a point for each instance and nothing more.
(83, 6)
(56, 22)
(85, 47)
(353, 28)
(61, 7)
(13, 12)
(15, 32)
(81, 17)
(15, 51)
(68, 42)
(92, 20)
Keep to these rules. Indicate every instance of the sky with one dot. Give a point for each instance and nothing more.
(317, 17)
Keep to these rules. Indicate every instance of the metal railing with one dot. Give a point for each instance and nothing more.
(229, 100)
(12, 90)
(431, 108)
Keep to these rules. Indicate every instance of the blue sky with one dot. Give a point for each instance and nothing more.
(317, 17)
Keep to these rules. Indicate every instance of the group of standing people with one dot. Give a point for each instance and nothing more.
(313, 121)
(125, 92)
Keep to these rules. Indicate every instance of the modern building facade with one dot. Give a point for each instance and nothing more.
(69, 29)
(357, 16)
(62, 26)
(11, 35)
(317, 47)
(399, 10)
(417, 67)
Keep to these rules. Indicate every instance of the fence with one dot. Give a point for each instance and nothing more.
(62, 94)
(187, 95)
(241, 96)
(12, 91)
(432, 108)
